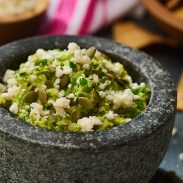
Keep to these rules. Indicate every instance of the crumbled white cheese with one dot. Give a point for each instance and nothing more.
(14, 108)
(102, 94)
(54, 64)
(36, 109)
(124, 99)
(61, 93)
(51, 101)
(87, 124)
(6, 96)
(46, 113)
(83, 51)
(55, 53)
(11, 82)
(60, 72)
(13, 90)
(110, 94)
(98, 54)
(181, 156)
(28, 67)
(9, 74)
(174, 131)
(110, 115)
(80, 58)
(114, 67)
(33, 77)
(72, 47)
(134, 85)
(10, 93)
(102, 86)
(32, 58)
(44, 86)
(86, 66)
(61, 104)
(67, 70)
(95, 78)
(71, 95)
(56, 83)
(2, 88)
(42, 54)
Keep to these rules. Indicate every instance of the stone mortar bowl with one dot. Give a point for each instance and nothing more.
(124, 154)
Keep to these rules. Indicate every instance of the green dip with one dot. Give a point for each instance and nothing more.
(72, 90)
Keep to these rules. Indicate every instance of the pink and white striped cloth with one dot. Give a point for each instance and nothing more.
(79, 17)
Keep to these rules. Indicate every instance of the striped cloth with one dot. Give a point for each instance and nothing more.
(79, 17)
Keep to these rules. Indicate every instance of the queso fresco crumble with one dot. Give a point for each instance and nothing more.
(72, 90)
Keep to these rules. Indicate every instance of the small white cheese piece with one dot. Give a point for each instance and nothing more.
(102, 86)
(11, 92)
(42, 54)
(95, 78)
(44, 86)
(80, 58)
(72, 47)
(58, 72)
(102, 94)
(54, 64)
(27, 67)
(98, 54)
(14, 108)
(11, 82)
(110, 115)
(61, 104)
(66, 70)
(117, 68)
(124, 99)
(71, 95)
(134, 85)
(33, 77)
(61, 93)
(56, 83)
(9, 74)
(87, 124)
(36, 109)
(51, 101)
(86, 66)
(181, 156)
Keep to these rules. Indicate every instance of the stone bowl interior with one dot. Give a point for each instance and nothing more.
(141, 67)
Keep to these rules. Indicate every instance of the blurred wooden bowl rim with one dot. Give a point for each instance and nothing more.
(40, 7)
(165, 18)
(25, 24)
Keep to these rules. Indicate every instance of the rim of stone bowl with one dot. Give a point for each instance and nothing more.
(161, 106)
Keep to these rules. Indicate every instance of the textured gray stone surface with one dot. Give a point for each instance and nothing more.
(126, 154)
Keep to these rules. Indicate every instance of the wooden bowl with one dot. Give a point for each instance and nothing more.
(165, 18)
(22, 25)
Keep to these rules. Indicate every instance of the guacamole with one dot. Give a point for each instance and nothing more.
(72, 90)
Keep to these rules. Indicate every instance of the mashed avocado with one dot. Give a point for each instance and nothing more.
(72, 90)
